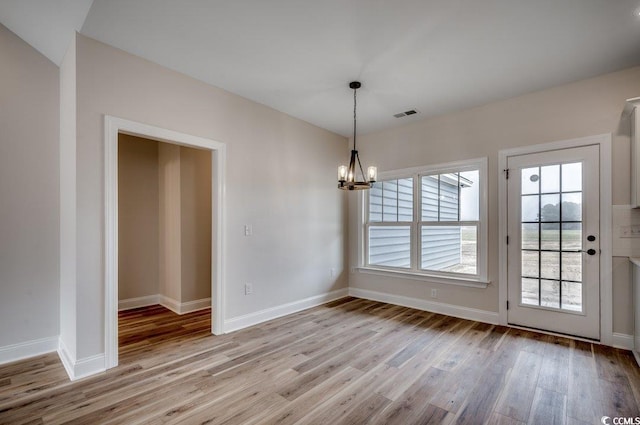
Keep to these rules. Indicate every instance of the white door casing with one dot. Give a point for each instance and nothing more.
(112, 127)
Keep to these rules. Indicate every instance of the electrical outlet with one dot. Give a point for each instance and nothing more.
(434, 293)
(248, 231)
(248, 288)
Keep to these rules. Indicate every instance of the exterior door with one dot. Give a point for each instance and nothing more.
(553, 236)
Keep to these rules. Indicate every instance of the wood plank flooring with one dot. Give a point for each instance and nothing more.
(352, 361)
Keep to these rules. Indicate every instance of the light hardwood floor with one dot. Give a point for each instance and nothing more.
(348, 362)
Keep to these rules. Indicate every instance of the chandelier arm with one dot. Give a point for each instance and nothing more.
(352, 167)
(361, 170)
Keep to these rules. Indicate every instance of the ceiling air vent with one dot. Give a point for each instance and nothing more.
(405, 113)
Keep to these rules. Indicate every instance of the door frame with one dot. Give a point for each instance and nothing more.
(606, 288)
(112, 127)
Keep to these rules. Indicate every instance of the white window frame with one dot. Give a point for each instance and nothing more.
(415, 273)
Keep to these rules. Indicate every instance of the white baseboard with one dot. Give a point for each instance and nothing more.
(434, 307)
(138, 302)
(170, 303)
(89, 366)
(241, 322)
(183, 308)
(66, 358)
(173, 305)
(623, 341)
(191, 306)
(24, 350)
(78, 369)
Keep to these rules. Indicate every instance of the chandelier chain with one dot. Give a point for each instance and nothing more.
(354, 118)
(355, 103)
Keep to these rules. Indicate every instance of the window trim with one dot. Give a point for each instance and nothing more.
(415, 273)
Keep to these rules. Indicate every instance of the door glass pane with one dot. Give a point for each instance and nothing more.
(550, 237)
(572, 296)
(572, 266)
(530, 236)
(530, 294)
(550, 208)
(571, 236)
(550, 265)
(550, 293)
(572, 177)
(530, 180)
(390, 246)
(530, 264)
(530, 207)
(572, 206)
(550, 179)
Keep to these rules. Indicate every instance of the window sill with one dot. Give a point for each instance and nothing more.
(471, 283)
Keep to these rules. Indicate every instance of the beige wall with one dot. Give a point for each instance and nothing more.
(185, 223)
(164, 220)
(574, 110)
(138, 221)
(170, 222)
(29, 193)
(280, 178)
(68, 205)
(195, 202)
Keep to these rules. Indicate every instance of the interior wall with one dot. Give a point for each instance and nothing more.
(170, 238)
(195, 215)
(138, 217)
(164, 220)
(280, 178)
(579, 109)
(29, 193)
(68, 289)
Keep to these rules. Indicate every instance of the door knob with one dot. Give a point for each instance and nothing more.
(590, 251)
(591, 238)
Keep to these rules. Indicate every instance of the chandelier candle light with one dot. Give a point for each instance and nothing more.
(347, 176)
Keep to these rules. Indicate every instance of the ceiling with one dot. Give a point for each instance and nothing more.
(298, 56)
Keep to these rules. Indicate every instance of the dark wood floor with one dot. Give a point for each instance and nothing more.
(348, 362)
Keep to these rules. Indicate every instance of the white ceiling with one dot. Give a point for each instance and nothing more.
(298, 56)
(48, 25)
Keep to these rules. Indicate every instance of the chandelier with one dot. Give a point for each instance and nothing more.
(348, 178)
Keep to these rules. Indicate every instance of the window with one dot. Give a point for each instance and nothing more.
(428, 221)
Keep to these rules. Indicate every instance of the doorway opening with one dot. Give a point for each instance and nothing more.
(164, 242)
(180, 266)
